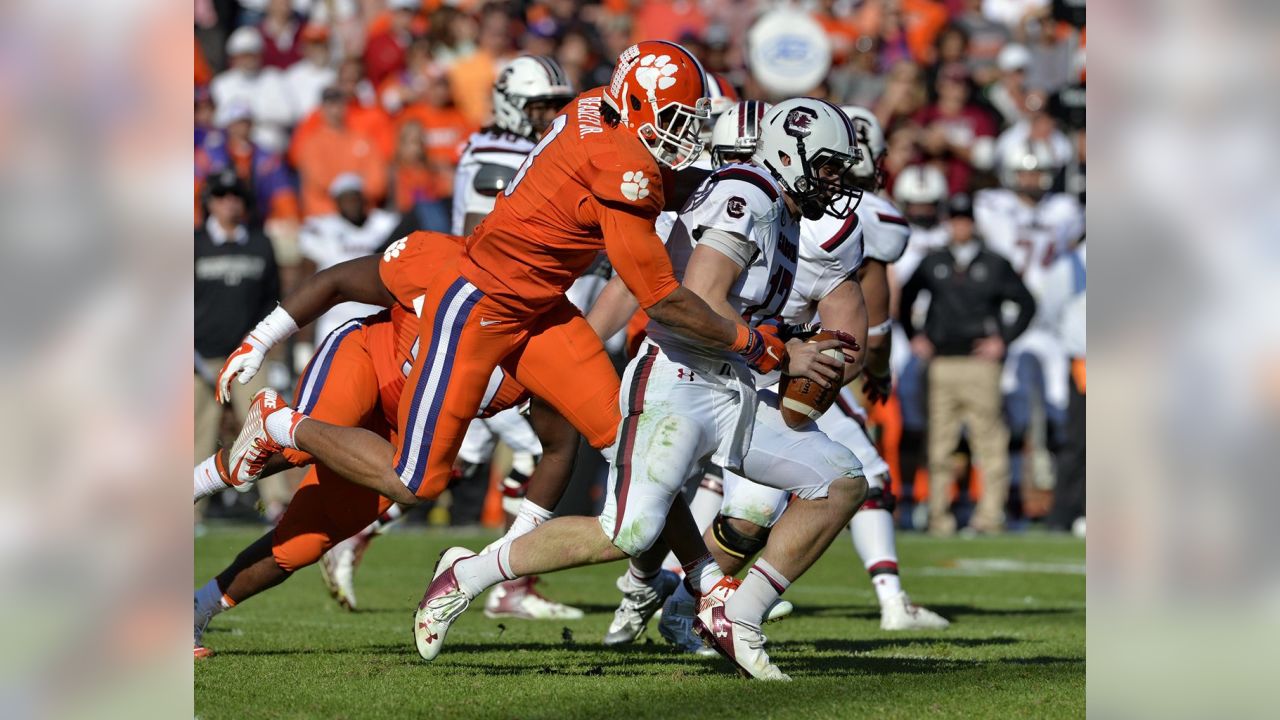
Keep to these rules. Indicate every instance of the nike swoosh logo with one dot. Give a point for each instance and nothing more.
(772, 354)
(487, 323)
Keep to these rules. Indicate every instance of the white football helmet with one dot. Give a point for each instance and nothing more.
(811, 148)
(868, 170)
(528, 79)
(1029, 169)
(921, 190)
(737, 132)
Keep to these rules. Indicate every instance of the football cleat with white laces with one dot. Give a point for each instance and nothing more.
(639, 603)
(739, 643)
(443, 602)
(519, 599)
(899, 613)
(253, 447)
(338, 569)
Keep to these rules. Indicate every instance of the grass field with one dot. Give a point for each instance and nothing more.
(1016, 647)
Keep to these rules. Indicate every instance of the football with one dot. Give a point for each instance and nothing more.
(802, 399)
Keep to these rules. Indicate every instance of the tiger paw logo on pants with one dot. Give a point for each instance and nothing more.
(635, 186)
(394, 250)
(655, 72)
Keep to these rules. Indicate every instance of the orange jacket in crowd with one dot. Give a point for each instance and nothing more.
(322, 152)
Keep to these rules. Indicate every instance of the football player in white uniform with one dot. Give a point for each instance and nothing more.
(842, 276)
(527, 96)
(735, 245)
(1031, 226)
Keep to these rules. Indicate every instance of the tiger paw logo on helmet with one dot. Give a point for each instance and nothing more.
(635, 186)
(655, 72)
(394, 250)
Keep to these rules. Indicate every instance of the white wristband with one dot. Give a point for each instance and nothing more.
(881, 329)
(275, 328)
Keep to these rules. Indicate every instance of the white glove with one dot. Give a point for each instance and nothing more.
(247, 359)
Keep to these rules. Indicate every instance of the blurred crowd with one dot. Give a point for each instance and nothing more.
(326, 128)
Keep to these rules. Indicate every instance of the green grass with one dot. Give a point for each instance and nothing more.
(1015, 649)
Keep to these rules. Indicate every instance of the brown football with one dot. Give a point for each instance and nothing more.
(803, 400)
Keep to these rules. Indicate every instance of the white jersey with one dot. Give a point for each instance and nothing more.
(745, 202)
(327, 240)
(1030, 237)
(475, 186)
(830, 252)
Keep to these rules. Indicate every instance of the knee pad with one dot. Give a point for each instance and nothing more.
(734, 542)
(712, 481)
(879, 498)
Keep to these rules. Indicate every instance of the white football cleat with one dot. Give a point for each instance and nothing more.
(741, 644)
(899, 613)
(443, 602)
(676, 627)
(519, 599)
(639, 603)
(338, 569)
(253, 447)
(778, 610)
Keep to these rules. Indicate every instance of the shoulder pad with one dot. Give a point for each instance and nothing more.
(885, 232)
(840, 240)
(491, 179)
(761, 190)
(629, 180)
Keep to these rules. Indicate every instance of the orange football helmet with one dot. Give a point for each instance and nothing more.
(659, 89)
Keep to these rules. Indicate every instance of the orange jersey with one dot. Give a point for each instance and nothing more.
(586, 187)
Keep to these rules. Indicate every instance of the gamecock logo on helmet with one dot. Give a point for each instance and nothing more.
(799, 122)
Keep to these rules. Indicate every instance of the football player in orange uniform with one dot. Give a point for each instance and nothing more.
(372, 356)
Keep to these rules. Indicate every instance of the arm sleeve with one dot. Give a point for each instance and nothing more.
(1016, 291)
(637, 255)
(909, 293)
(736, 247)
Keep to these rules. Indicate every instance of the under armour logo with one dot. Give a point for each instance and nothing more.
(681, 372)
(431, 637)
(722, 633)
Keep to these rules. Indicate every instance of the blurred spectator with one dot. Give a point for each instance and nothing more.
(1037, 127)
(955, 130)
(412, 182)
(384, 52)
(859, 81)
(667, 20)
(236, 284)
(964, 341)
(260, 171)
(280, 29)
(950, 49)
(921, 193)
(583, 66)
(355, 230)
(1054, 47)
(1008, 95)
(263, 90)
(472, 78)
(903, 96)
(452, 35)
(444, 133)
(312, 73)
(203, 73)
(329, 148)
(204, 114)
(986, 38)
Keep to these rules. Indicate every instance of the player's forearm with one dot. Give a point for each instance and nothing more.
(879, 347)
(690, 315)
(612, 309)
(845, 310)
(356, 454)
(352, 281)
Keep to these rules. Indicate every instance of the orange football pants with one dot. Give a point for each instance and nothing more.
(339, 386)
(464, 336)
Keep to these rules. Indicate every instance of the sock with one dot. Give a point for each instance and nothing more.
(702, 574)
(640, 577)
(281, 425)
(705, 506)
(209, 601)
(873, 539)
(530, 516)
(481, 572)
(757, 592)
(386, 519)
(208, 480)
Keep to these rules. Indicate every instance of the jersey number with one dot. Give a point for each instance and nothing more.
(556, 126)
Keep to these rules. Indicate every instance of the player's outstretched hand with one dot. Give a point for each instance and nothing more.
(245, 362)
